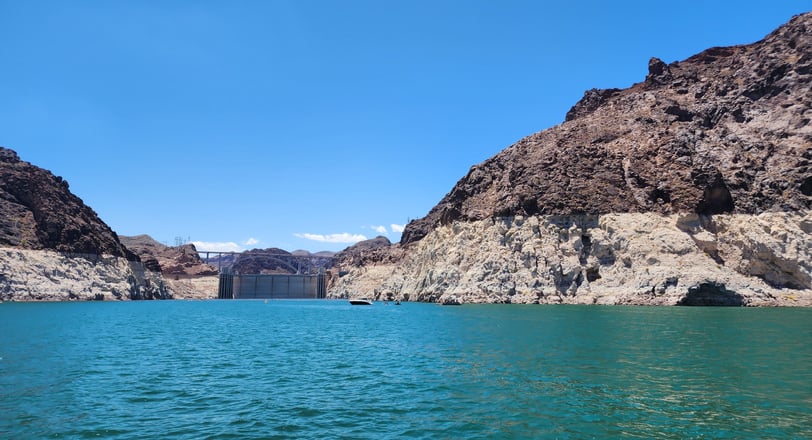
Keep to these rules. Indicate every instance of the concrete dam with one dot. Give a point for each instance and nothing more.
(268, 286)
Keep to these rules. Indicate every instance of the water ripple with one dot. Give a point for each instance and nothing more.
(324, 369)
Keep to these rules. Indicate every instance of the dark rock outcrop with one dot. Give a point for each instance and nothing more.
(38, 211)
(724, 131)
(53, 247)
(374, 250)
(690, 188)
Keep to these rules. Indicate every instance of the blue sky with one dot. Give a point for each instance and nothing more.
(310, 124)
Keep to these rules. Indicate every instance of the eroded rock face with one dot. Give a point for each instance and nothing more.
(38, 211)
(185, 274)
(692, 187)
(725, 131)
(54, 247)
(373, 251)
(169, 260)
(46, 275)
(625, 258)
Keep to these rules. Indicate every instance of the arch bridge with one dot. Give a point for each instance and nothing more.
(307, 280)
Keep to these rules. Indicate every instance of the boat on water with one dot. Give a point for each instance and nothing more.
(361, 302)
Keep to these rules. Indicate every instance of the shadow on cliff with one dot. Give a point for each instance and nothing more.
(711, 294)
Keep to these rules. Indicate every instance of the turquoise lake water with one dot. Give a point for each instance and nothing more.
(325, 369)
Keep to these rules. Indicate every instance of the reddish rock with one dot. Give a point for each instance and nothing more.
(169, 260)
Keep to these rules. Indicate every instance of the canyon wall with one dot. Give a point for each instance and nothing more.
(47, 275)
(630, 258)
(53, 247)
(690, 187)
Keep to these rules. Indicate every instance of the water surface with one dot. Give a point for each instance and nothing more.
(325, 369)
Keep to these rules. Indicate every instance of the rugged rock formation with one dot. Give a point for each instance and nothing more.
(632, 258)
(54, 247)
(185, 274)
(45, 275)
(725, 131)
(374, 250)
(171, 261)
(39, 212)
(691, 187)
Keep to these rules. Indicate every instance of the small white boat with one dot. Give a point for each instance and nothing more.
(361, 302)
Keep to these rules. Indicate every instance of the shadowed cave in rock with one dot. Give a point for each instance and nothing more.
(716, 199)
(711, 294)
(806, 186)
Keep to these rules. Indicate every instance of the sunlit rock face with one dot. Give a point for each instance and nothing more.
(47, 275)
(53, 247)
(627, 258)
(692, 187)
(40, 212)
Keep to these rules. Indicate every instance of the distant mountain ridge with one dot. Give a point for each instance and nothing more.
(280, 261)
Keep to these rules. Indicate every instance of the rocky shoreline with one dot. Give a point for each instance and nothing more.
(46, 275)
(622, 259)
(691, 187)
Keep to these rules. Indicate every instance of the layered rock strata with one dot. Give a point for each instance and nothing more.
(53, 247)
(691, 187)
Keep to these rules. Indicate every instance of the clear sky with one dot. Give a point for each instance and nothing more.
(310, 124)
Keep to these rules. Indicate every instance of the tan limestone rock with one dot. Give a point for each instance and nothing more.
(632, 258)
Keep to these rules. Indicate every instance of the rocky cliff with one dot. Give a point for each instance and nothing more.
(40, 212)
(54, 247)
(185, 274)
(171, 261)
(690, 187)
(374, 250)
